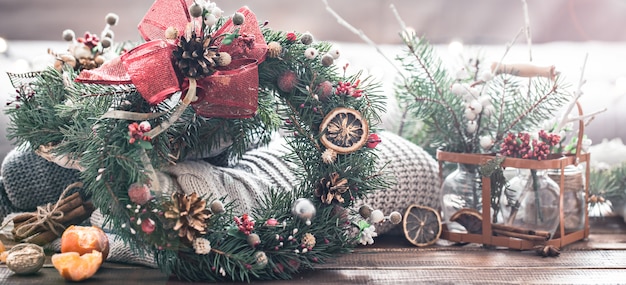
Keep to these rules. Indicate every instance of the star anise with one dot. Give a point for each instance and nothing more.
(190, 213)
(331, 188)
(547, 250)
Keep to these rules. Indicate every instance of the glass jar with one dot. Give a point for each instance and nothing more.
(573, 196)
(531, 201)
(460, 189)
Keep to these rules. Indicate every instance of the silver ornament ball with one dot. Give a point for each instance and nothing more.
(303, 208)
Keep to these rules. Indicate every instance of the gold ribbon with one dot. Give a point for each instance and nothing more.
(125, 115)
(190, 97)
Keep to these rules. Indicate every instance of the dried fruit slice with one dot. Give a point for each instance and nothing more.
(344, 130)
(75, 267)
(470, 219)
(422, 225)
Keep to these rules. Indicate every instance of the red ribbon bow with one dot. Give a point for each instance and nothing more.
(230, 92)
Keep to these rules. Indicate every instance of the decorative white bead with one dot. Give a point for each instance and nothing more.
(377, 216)
(486, 142)
(471, 127)
(469, 114)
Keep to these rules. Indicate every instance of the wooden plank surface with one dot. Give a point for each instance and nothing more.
(392, 260)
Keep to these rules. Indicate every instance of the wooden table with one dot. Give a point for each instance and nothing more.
(392, 260)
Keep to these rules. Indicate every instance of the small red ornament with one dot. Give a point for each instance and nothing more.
(349, 89)
(271, 222)
(373, 140)
(292, 37)
(139, 193)
(324, 90)
(148, 226)
(287, 81)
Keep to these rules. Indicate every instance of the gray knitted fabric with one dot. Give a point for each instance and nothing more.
(6, 207)
(30, 181)
(268, 164)
(416, 175)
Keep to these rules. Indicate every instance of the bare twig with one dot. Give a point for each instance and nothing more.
(357, 32)
(529, 40)
(507, 48)
(581, 81)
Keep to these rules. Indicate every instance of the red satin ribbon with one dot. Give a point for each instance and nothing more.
(231, 92)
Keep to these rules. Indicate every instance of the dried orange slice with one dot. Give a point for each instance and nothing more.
(75, 267)
(422, 225)
(344, 130)
(470, 219)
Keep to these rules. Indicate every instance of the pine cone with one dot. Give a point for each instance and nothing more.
(194, 58)
(191, 214)
(308, 240)
(331, 188)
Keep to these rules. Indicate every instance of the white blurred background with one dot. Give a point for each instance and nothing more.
(563, 33)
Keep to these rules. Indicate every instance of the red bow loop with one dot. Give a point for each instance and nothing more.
(151, 69)
(162, 15)
(250, 43)
(111, 72)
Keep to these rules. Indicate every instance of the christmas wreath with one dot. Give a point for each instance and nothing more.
(209, 86)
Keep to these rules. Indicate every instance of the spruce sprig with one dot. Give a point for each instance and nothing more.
(425, 96)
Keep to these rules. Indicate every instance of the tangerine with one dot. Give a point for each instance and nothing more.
(85, 239)
(75, 267)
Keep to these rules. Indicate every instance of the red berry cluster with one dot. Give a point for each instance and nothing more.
(90, 40)
(347, 88)
(521, 146)
(244, 224)
(137, 131)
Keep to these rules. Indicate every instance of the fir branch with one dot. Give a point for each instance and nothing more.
(298, 127)
(526, 112)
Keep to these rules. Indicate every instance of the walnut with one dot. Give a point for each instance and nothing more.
(25, 258)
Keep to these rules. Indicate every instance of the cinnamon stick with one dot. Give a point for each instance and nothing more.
(43, 238)
(80, 213)
(67, 203)
(520, 235)
(501, 227)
